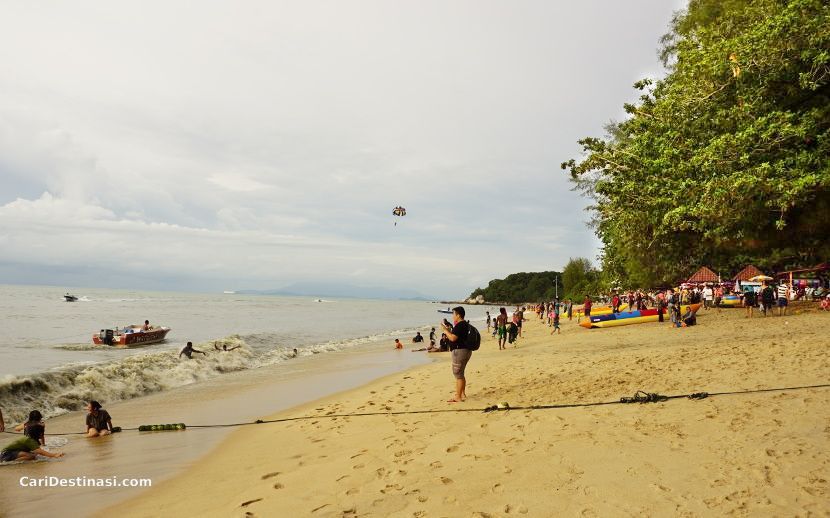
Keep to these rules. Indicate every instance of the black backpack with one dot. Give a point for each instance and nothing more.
(473, 341)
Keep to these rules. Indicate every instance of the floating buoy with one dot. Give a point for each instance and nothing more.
(161, 427)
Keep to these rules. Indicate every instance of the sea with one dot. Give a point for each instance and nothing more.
(48, 361)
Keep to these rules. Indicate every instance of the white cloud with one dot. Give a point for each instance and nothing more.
(268, 141)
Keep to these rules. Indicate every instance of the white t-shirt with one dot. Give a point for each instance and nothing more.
(707, 293)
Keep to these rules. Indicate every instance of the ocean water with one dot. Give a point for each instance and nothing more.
(48, 362)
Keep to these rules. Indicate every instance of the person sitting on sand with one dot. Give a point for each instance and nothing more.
(189, 350)
(98, 420)
(444, 344)
(34, 427)
(417, 338)
(398, 344)
(689, 318)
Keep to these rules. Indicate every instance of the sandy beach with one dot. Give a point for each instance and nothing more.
(751, 454)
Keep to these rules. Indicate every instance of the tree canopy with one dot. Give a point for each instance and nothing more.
(725, 161)
(576, 280)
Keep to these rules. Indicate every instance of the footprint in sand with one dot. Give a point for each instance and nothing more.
(249, 502)
(270, 475)
(452, 448)
(445, 480)
(436, 465)
(359, 466)
(353, 491)
(497, 488)
(278, 486)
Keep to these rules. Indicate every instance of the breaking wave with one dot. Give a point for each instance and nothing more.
(69, 387)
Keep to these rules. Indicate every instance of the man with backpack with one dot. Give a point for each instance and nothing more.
(464, 339)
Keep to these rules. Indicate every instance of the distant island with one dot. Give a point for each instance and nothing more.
(339, 290)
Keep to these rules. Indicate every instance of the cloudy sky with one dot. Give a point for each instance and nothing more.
(231, 145)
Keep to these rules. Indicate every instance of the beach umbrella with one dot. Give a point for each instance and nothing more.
(760, 278)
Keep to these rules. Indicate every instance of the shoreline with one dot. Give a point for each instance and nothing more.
(769, 452)
(236, 397)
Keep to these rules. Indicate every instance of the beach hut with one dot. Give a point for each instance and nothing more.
(703, 276)
(747, 273)
(743, 280)
(815, 277)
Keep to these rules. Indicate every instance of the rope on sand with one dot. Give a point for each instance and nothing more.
(639, 397)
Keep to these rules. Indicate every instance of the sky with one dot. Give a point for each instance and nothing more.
(224, 145)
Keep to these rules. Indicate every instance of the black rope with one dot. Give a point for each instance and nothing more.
(639, 397)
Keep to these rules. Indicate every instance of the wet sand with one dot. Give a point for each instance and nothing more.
(750, 454)
(236, 397)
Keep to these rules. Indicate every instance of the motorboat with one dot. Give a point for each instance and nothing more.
(70, 298)
(130, 336)
(445, 311)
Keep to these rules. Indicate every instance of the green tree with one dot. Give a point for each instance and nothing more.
(727, 159)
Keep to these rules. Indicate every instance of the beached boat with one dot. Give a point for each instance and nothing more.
(731, 301)
(445, 311)
(130, 336)
(634, 317)
(70, 298)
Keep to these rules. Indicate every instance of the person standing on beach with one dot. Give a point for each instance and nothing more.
(555, 311)
(570, 309)
(767, 299)
(749, 302)
(501, 323)
(783, 298)
(98, 420)
(432, 337)
(457, 335)
(586, 306)
(489, 320)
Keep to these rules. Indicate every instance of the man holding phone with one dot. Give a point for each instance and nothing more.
(457, 335)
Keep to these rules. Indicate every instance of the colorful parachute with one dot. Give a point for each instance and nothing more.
(398, 211)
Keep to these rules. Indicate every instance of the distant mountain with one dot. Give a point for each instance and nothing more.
(325, 289)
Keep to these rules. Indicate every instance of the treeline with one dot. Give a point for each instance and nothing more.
(577, 279)
(726, 161)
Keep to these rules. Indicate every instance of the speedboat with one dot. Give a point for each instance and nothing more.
(445, 311)
(70, 298)
(130, 336)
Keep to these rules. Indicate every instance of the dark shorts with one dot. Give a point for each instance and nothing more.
(782, 302)
(588, 312)
(8, 455)
(519, 323)
(460, 357)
